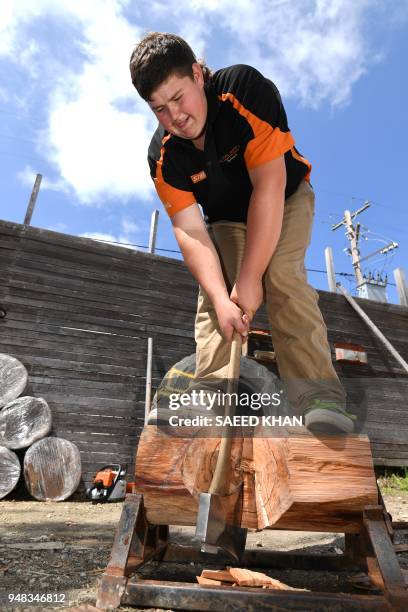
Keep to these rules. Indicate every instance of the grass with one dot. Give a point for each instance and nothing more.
(393, 480)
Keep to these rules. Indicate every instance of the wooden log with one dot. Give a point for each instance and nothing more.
(301, 483)
(24, 421)
(52, 469)
(10, 470)
(13, 378)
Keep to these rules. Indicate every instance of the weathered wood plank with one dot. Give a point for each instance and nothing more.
(113, 312)
(126, 297)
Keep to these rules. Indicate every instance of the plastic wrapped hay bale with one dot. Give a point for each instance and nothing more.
(10, 471)
(52, 469)
(24, 421)
(13, 378)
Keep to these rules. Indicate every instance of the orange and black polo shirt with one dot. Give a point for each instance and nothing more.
(246, 127)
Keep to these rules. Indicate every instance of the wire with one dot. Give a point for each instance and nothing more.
(143, 246)
(139, 246)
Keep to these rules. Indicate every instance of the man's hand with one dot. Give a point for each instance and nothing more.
(248, 293)
(231, 318)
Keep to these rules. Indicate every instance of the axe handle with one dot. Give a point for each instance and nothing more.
(218, 484)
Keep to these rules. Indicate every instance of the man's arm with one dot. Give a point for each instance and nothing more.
(203, 262)
(264, 224)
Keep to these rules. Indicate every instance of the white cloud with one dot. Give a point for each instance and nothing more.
(315, 50)
(129, 227)
(27, 178)
(98, 130)
(98, 149)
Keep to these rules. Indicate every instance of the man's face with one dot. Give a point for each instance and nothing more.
(180, 104)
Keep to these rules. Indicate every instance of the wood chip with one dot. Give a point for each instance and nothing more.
(235, 576)
(202, 580)
(222, 575)
(245, 577)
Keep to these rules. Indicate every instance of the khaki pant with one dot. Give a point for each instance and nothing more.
(298, 331)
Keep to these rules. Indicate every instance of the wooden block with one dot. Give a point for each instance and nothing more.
(245, 577)
(210, 581)
(223, 575)
(303, 483)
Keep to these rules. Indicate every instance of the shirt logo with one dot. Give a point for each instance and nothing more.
(200, 176)
(230, 155)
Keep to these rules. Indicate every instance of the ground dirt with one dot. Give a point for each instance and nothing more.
(49, 547)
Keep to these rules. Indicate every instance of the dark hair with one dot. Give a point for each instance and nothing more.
(158, 56)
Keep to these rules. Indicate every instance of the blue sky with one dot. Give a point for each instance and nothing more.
(68, 110)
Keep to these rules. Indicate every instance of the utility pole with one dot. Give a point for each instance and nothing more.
(367, 287)
(353, 236)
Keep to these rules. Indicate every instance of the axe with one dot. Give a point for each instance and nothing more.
(218, 511)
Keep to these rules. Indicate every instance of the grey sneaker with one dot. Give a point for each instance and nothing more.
(328, 417)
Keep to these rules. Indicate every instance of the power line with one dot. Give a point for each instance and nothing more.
(144, 246)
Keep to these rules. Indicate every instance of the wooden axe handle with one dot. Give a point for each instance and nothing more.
(219, 484)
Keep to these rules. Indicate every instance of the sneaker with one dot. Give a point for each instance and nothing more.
(328, 417)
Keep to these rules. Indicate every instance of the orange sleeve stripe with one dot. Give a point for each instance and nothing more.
(173, 199)
(268, 144)
(304, 161)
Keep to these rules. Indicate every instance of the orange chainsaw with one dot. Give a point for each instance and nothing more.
(109, 484)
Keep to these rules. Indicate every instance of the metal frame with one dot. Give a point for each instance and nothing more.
(137, 542)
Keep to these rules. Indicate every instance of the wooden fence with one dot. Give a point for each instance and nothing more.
(78, 315)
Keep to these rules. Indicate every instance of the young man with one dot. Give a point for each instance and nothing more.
(223, 142)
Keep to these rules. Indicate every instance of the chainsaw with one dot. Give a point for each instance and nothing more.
(109, 484)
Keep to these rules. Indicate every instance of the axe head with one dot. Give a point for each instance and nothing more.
(217, 528)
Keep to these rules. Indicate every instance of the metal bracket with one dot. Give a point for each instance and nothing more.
(137, 541)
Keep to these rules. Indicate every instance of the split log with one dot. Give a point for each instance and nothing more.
(52, 469)
(24, 421)
(301, 483)
(10, 470)
(13, 378)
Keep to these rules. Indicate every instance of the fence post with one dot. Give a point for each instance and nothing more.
(33, 199)
(153, 231)
(402, 288)
(331, 275)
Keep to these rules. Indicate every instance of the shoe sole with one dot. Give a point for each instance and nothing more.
(321, 420)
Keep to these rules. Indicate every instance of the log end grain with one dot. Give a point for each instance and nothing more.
(13, 378)
(24, 421)
(52, 469)
(10, 470)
